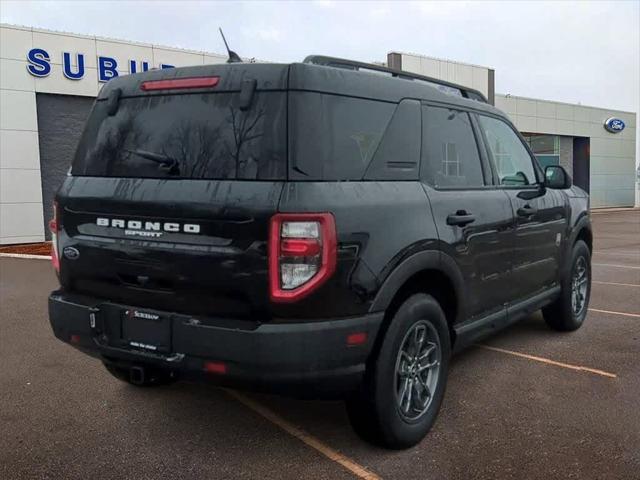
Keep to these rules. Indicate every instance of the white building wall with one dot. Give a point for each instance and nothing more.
(21, 209)
(20, 186)
(612, 155)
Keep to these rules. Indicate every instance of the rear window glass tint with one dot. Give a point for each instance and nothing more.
(205, 133)
(333, 137)
(398, 154)
(450, 152)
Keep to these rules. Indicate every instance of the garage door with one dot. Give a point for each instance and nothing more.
(60, 122)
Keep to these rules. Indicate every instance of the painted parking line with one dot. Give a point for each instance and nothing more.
(548, 361)
(333, 455)
(623, 254)
(607, 211)
(616, 283)
(615, 265)
(625, 314)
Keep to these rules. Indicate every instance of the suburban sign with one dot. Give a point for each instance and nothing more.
(39, 65)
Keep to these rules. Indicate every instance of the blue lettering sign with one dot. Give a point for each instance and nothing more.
(107, 69)
(66, 66)
(133, 66)
(39, 65)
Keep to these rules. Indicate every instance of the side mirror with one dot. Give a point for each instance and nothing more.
(556, 177)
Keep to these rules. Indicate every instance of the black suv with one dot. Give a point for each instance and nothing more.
(317, 228)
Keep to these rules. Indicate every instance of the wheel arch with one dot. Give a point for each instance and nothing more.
(585, 234)
(582, 230)
(431, 272)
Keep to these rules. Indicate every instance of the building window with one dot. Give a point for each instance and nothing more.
(546, 148)
(543, 144)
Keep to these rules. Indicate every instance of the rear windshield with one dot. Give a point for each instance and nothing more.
(195, 135)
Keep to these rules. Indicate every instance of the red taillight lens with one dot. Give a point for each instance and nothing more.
(304, 247)
(54, 227)
(180, 83)
(302, 254)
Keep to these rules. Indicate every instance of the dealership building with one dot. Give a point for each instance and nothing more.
(48, 81)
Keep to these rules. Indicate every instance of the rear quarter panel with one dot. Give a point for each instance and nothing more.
(378, 224)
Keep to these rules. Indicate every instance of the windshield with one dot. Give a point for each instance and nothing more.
(200, 135)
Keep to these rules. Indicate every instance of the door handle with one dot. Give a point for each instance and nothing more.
(460, 218)
(527, 211)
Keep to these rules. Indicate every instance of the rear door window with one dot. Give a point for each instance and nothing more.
(450, 156)
(199, 136)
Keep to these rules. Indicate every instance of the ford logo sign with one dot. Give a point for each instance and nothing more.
(71, 253)
(614, 125)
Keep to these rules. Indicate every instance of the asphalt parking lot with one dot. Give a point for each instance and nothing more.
(528, 403)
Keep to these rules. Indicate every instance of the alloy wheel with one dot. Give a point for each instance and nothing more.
(417, 370)
(579, 286)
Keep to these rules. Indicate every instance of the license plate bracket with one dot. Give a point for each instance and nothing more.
(146, 330)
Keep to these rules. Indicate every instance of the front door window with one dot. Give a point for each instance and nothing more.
(510, 156)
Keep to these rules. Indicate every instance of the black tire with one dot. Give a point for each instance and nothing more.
(374, 411)
(152, 377)
(561, 314)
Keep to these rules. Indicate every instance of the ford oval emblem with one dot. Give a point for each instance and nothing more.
(71, 253)
(614, 125)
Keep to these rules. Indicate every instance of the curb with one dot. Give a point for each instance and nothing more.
(24, 255)
(614, 209)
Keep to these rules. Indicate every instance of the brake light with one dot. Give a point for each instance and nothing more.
(302, 254)
(180, 83)
(54, 227)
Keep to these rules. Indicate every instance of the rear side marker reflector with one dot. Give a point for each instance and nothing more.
(74, 338)
(356, 339)
(180, 83)
(215, 367)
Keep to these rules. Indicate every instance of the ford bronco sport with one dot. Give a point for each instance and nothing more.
(318, 228)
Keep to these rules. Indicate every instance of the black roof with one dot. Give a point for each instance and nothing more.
(443, 85)
(320, 74)
(358, 83)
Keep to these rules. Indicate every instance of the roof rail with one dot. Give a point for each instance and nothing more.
(443, 85)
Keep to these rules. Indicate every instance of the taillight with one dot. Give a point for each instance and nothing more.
(302, 254)
(53, 228)
(180, 83)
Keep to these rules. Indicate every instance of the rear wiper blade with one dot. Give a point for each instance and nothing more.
(167, 162)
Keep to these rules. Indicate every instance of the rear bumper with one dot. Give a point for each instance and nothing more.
(311, 358)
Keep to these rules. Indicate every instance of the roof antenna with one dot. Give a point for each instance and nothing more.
(233, 56)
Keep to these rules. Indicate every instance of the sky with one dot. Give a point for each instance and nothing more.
(577, 52)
